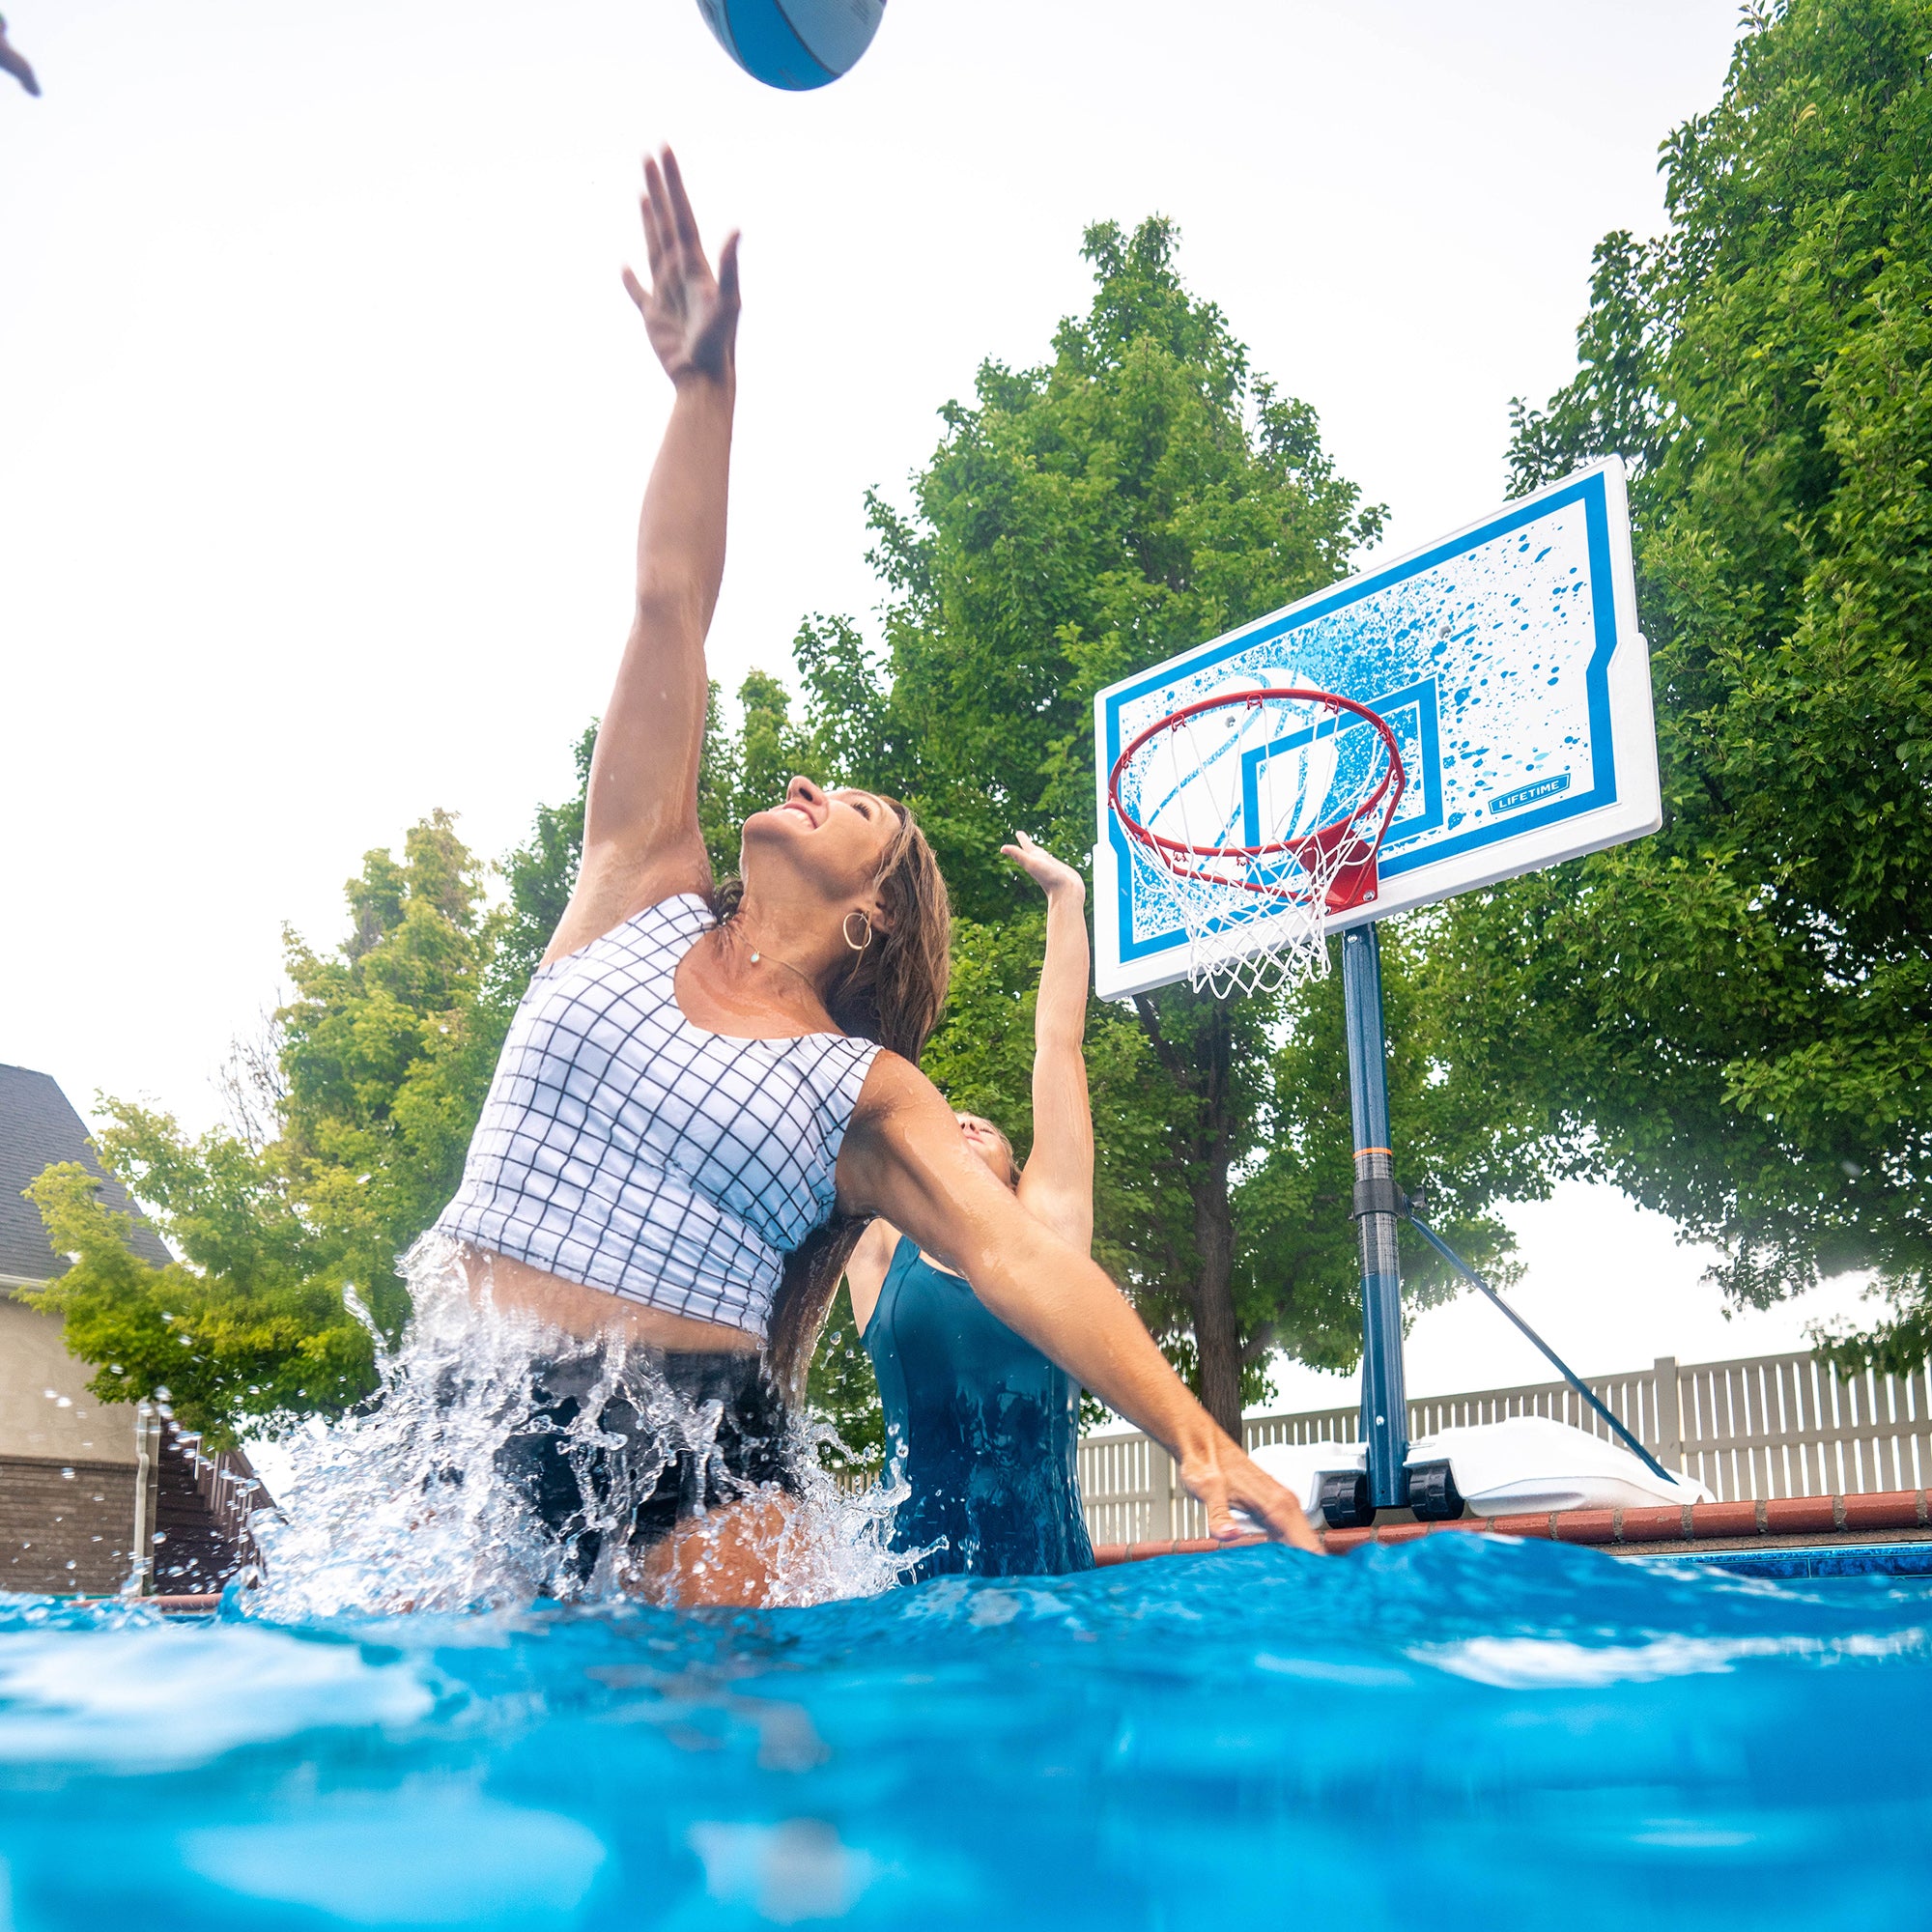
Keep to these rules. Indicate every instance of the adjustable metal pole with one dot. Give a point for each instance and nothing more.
(1384, 1396)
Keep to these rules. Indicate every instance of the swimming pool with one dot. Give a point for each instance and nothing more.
(1452, 1733)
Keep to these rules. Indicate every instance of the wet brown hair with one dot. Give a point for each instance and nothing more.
(892, 992)
(894, 988)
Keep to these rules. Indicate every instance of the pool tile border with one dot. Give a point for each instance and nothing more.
(1735, 1524)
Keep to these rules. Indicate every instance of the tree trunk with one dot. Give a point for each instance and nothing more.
(1203, 1066)
(1215, 1335)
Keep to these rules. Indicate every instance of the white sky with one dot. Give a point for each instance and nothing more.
(324, 417)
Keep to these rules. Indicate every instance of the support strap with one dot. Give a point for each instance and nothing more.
(1562, 1367)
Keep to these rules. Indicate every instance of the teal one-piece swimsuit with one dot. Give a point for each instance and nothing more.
(984, 1430)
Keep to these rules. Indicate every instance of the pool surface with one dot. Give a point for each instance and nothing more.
(1452, 1733)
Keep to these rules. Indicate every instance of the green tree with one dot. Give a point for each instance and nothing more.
(1734, 1020)
(539, 875)
(388, 1050)
(361, 1110)
(844, 1392)
(747, 770)
(267, 1339)
(1140, 492)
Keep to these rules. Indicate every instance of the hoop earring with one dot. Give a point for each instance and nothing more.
(845, 928)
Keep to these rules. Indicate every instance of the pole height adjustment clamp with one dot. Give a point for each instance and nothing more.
(1379, 1194)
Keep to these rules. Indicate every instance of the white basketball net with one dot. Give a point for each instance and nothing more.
(1252, 818)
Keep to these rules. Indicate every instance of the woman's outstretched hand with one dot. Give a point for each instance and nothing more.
(1224, 1479)
(690, 314)
(1043, 869)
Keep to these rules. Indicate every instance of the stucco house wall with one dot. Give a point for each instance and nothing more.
(68, 1461)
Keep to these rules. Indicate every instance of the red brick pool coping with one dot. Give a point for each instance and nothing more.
(1832, 1519)
(1822, 1518)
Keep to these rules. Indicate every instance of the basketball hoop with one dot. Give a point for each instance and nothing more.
(1250, 817)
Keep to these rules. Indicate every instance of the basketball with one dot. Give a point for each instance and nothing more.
(794, 43)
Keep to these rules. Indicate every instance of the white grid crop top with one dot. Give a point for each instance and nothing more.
(625, 1148)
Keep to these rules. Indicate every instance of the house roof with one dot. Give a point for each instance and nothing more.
(38, 1126)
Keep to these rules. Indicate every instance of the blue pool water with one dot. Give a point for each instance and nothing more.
(1456, 1733)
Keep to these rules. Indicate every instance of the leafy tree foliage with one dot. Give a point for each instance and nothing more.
(267, 1340)
(1734, 1018)
(1137, 492)
(844, 1392)
(352, 1137)
(388, 1050)
(540, 875)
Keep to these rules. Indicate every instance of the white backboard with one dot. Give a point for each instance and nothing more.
(1507, 660)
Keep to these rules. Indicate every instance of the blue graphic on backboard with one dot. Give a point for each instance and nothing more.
(1411, 715)
(1508, 664)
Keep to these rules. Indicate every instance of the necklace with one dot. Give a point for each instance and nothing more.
(789, 968)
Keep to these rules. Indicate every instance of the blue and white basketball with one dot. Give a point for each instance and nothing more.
(793, 43)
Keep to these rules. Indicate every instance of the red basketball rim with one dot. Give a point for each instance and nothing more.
(1172, 852)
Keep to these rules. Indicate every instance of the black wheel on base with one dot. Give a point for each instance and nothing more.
(1433, 1493)
(1342, 1500)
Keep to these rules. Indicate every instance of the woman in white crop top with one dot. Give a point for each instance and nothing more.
(705, 1097)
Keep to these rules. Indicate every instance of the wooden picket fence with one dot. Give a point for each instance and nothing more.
(1770, 1426)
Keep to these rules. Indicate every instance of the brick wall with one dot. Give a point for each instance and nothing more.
(65, 1526)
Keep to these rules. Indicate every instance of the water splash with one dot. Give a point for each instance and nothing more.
(404, 1506)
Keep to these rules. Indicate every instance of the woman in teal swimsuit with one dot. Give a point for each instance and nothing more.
(983, 1427)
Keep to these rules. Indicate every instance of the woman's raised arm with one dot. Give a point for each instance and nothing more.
(641, 836)
(905, 1159)
(1057, 1182)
